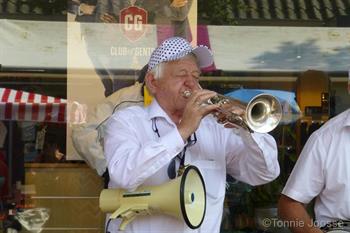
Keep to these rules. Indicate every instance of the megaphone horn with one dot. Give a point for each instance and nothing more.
(189, 204)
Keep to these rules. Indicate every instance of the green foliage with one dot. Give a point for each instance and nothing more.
(268, 194)
(216, 12)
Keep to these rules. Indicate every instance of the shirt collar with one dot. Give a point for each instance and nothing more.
(155, 110)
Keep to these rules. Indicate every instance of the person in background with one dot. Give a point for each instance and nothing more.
(170, 18)
(87, 137)
(321, 172)
(54, 147)
(147, 145)
(82, 11)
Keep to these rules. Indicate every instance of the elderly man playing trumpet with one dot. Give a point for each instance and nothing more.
(147, 145)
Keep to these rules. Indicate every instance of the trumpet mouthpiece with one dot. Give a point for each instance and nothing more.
(186, 93)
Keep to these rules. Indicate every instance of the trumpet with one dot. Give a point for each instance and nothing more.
(261, 114)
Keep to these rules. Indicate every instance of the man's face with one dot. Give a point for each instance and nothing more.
(176, 77)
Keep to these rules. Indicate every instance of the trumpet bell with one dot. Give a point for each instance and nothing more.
(263, 113)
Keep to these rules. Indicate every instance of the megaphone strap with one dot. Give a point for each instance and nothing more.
(172, 171)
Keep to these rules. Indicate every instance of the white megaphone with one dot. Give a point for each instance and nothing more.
(183, 198)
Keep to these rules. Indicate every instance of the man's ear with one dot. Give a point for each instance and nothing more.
(151, 83)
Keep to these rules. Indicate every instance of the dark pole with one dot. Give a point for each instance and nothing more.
(10, 155)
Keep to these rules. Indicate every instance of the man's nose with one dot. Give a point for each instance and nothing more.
(191, 82)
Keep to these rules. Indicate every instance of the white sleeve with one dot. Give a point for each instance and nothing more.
(131, 161)
(307, 179)
(252, 158)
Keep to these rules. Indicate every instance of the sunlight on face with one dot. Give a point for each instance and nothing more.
(177, 76)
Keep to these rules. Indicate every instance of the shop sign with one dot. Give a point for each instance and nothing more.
(133, 21)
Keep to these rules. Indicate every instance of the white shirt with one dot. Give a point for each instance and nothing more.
(323, 170)
(136, 155)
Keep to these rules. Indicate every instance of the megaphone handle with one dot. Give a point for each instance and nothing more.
(122, 209)
(128, 213)
(126, 221)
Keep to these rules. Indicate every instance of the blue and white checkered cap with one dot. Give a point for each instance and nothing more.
(175, 48)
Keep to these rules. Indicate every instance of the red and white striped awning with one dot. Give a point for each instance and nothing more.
(26, 106)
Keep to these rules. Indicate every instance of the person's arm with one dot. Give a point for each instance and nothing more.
(87, 9)
(178, 9)
(78, 8)
(252, 158)
(131, 159)
(304, 183)
(294, 215)
(87, 137)
(102, 8)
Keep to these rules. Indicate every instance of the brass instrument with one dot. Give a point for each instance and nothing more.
(262, 114)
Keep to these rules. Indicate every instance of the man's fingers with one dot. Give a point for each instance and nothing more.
(107, 18)
(231, 125)
(202, 96)
(178, 3)
(206, 109)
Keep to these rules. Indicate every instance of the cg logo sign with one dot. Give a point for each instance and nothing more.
(133, 20)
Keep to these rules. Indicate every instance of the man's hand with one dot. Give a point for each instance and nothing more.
(87, 9)
(178, 3)
(194, 111)
(58, 154)
(292, 212)
(107, 18)
(233, 109)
